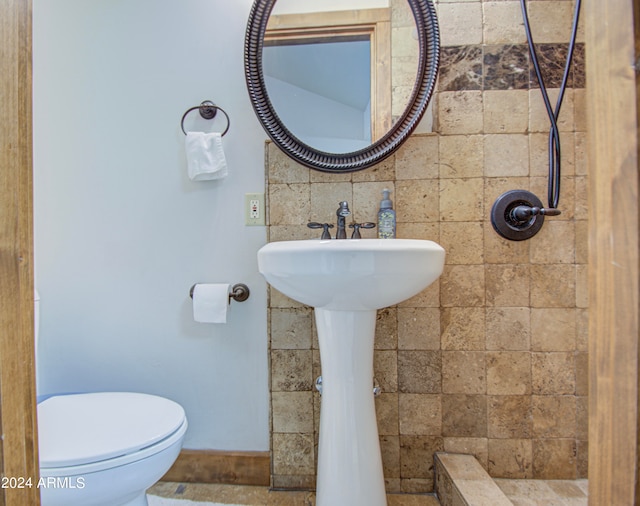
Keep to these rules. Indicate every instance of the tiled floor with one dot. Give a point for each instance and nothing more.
(520, 492)
(262, 496)
(545, 492)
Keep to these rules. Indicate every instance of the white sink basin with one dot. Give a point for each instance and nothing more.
(346, 281)
(351, 274)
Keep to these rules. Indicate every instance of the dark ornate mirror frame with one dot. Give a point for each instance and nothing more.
(429, 43)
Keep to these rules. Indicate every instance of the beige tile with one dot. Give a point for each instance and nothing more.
(538, 118)
(429, 297)
(236, 494)
(290, 370)
(553, 285)
(385, 369)
(418, 328)
(417, 485)
(462, 241)
(555, 243)
(291, 328)
(483, 492)
(507, 285)
(540, 187)
(282, 169)
(553, 373)
(503, 23)
(511, 458)
(581, 154)
(460, 23)
(463, 328)
(566, 488)
(387, 414)
(506, 155)
(506, 111)
(460, 113)
(581, 195)
(382, 171)
(508, 373)
(315, 176)
(478, 447)
(554, 416)
(582, 374)
(553, 329)
(508, 328)
(582, 329)
(418, 158)
(279, 300)
(582, 242)
(464, 372)
(292, 412)
(464, 415)
(416, 456)
(498, 250)
(426, 231)
(324, 200)
(537, 490)
(386, 329)
(390, 449)
(554, 459)
(461, 200)
(462, 286)
(366, 203)
(420, 414)
(419, 372)
(417, 201)
(509, 417)
(556, 28)
(293, 454)
(289, 204)
(291, 233)
(539, 154)
(461, 156)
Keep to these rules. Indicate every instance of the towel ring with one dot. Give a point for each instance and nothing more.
(208, 110)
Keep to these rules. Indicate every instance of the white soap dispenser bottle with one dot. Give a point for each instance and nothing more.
(386, 217)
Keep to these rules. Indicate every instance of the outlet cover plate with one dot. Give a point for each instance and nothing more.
(254, 209)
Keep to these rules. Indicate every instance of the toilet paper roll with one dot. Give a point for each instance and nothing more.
(211, 302)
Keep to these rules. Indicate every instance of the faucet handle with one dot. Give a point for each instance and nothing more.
(357, 226)
(325, 226)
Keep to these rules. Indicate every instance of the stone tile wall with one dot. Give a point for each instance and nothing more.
(491, 359)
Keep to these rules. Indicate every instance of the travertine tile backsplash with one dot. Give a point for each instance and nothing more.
(491, 359)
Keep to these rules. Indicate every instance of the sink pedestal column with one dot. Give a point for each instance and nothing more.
(349, 460)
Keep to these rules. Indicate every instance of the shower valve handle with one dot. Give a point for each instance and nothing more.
(523, 213)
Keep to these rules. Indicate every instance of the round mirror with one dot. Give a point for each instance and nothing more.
(339, 86)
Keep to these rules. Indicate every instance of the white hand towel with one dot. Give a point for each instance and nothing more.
(205, 156)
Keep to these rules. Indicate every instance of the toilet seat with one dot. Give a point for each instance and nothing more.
(95, 431)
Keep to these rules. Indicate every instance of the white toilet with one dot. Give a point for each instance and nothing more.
(107, 448)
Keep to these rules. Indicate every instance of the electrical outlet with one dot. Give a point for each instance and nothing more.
(254, 209)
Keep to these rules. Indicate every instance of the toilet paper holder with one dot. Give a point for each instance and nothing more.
(239, 292)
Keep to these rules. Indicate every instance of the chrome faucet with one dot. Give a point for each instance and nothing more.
(342, 213)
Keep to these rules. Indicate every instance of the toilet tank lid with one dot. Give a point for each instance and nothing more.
(85, 428)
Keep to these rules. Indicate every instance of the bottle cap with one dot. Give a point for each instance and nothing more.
(386, 201)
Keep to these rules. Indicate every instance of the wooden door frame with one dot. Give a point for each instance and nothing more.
(613, 250)
(19, 451)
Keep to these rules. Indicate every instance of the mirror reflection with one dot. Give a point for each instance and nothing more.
(339, 72)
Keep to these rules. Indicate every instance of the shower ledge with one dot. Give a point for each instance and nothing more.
(461, 481)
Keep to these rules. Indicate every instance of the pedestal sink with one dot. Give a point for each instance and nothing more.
(346, 281)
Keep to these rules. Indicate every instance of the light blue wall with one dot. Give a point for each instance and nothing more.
(121, 233)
